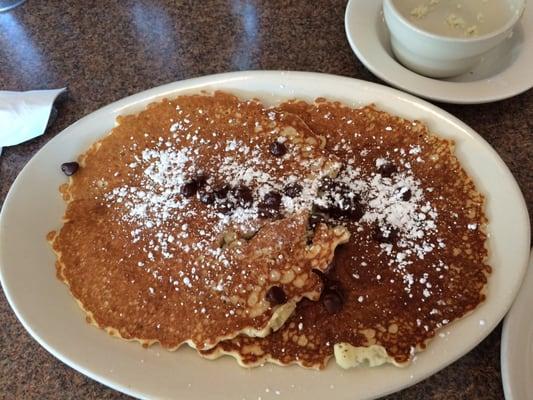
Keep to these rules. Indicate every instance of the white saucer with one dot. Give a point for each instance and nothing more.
(505, 72)
(517, 344)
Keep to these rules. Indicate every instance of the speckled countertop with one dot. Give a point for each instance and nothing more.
(105, 50)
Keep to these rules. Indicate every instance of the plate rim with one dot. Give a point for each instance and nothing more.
(188, 85)
(509, 332)
(453, 98)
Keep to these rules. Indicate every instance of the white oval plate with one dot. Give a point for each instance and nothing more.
(504, 72)
(517, 344)
(47, 310)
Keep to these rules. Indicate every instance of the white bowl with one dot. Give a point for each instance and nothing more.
(440, 56)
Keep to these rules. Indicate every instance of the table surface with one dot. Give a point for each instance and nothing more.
(103, 51)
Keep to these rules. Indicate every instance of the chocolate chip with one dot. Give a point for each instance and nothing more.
(385, 235)
(277, 149)
(189, 188)
(341, 201)
(244, 196)
(272, 200)
(201, 179)
(269, 206)
(387, 169)
(293, 190)
(332, 296)
(335, 212)
(275, 295)
(336, 195)
(314, 220)
(320, 208)
(406, 196)
(327, 185)
(330, 285)
(333, 285)
(332, 301)
(206, 197)
(266, 212)
(225, 207)
(320, 274)
(70, 168)
(222, 191)
(355, 211)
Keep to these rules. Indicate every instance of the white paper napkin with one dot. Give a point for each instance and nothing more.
(24, 115)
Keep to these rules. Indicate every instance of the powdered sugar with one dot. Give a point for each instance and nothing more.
(397, 207)
(393, 203)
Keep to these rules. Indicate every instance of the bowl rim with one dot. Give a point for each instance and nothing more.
(474, 39)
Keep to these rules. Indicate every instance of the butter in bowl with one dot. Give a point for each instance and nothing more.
(445, 38)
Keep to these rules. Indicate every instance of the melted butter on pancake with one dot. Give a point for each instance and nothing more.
(348, 356)
(178, 223)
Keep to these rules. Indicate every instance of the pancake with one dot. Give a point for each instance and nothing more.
(188, 223)
(416, 258)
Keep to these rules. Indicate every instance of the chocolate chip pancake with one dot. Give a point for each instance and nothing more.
(189, 222)
(416, 258)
